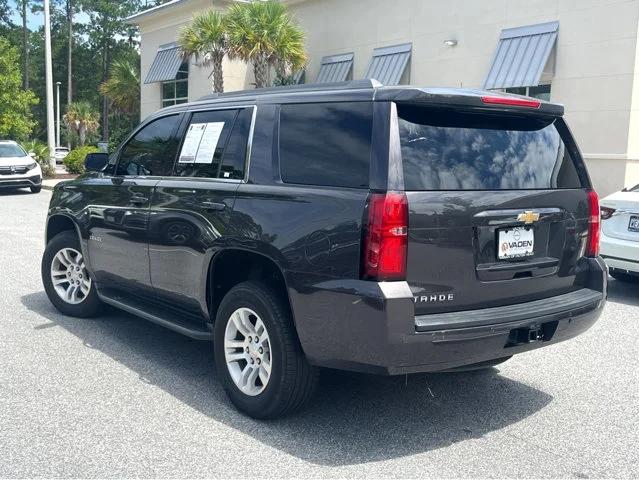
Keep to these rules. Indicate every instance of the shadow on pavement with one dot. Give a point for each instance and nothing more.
(623, 292)
(5, 192)
(353, 419)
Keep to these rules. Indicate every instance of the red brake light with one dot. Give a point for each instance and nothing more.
(607, 212)
(594, 223)
(517, 102)
(386, 237)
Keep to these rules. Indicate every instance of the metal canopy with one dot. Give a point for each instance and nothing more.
(165, 65)
(299, 77)
(335, 68)
(521, 55)
(389, 63)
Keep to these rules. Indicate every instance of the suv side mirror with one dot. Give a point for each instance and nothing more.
(32, 154)
(95, 162)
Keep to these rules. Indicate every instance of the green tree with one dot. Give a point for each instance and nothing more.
(82, 119)
(105, 30)
(16, 120)
(206, 39)
(5, 13)
(123, 85)
(264, 34)
(23, 8)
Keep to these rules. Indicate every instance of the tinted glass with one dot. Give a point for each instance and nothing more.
(151, 152)
(10, 150)
(452, 151)
(230, 149)
(326, 144)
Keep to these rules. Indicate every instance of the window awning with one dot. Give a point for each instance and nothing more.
(389, 63)
(521, 56)
(299, 77)
(165, 65)
(335, 68)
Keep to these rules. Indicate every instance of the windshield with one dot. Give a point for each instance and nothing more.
(11, 150)
(463, 151)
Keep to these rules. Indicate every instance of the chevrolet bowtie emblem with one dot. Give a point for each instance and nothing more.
(528, 217)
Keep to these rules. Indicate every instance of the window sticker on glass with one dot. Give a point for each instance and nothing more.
(192, 142)
(209, 142)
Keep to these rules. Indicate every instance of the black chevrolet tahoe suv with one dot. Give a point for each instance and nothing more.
(388, 230)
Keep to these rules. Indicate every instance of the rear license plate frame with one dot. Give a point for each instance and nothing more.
(633, 223)
(506, 236)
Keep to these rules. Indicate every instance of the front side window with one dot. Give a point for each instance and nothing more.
(215, 144)
(444, 150)
(176, 91)
(151, 152)
(326, 143)
(541, 92)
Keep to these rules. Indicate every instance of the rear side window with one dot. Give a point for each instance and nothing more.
(326, 143)
(215, 144)
(468, 151)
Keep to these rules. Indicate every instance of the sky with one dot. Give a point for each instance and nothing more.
(35, 20)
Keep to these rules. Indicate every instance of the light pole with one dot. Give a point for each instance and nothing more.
(57, 125)
(49, 81)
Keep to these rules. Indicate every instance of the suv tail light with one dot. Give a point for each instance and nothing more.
(386, 237)
(594, 223)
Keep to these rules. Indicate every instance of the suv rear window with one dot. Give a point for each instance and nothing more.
(326, 143)
(470, 151)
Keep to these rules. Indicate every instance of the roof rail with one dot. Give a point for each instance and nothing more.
(306, 87)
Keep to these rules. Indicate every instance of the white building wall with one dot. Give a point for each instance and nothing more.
(596, 71)
(164, 27)
(595, 57)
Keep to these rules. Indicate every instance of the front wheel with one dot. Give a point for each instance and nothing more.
(66, 279)
(257, 353)
(35, 189)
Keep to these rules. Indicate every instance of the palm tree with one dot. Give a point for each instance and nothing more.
(81, 118)
(123, 85)
(205, 38)
(264, 33)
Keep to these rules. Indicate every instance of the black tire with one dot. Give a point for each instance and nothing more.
(292, 380)
(479, 366)
(91, 305)
(35, 189)
(624, 277)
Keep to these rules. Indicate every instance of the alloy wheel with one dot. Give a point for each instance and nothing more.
(247, 350)
(69, 276)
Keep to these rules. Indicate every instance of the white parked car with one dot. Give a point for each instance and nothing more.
(620, 234)
(17, 168)
(60, 154)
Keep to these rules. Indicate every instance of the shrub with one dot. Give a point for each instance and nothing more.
(74, 161)
(41, 155)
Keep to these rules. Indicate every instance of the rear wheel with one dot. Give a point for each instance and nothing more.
(66, 279)
(624, 277)
(257, 353)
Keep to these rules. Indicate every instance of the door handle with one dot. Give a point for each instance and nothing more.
(213, 205)
(137, 200)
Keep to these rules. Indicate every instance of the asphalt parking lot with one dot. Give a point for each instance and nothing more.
(117, 396)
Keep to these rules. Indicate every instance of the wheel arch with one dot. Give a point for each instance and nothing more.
(239, 265)
(59, 223)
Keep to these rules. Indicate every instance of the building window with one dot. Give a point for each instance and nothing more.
(177, 91)
(542, 92)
